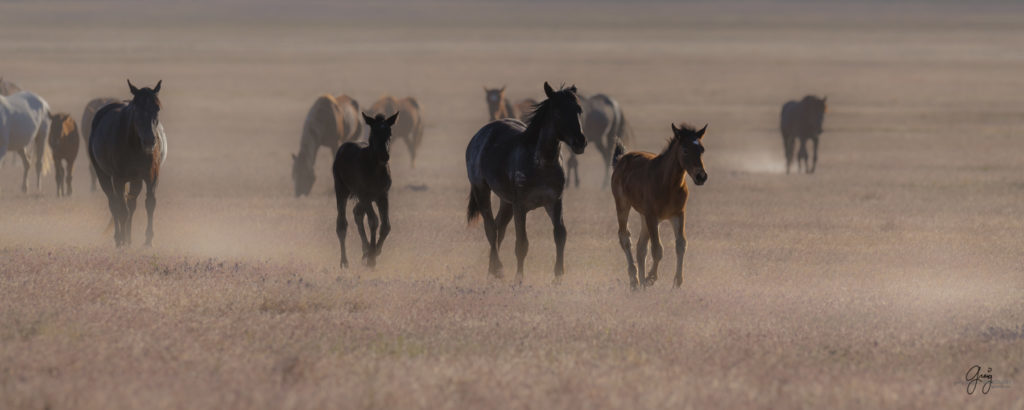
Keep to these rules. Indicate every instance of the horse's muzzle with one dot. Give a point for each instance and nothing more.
(700, 178)
(579, 147)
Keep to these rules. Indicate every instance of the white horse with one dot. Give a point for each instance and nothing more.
(25, 124)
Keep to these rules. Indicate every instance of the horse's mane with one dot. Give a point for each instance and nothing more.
(536, 118)
(674, 140)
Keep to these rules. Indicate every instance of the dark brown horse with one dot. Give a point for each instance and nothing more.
(802, 120)
(655, 186)
(409, 126)
(331, 121)
(91, 109)
(63, 142)
(362, 172)
(605, 126)
(520, 163)
(127, 146)
(499, 107)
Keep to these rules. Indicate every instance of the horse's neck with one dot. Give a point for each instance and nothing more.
(307, 148)
(670, 173)
(378, 147)
(545, 152)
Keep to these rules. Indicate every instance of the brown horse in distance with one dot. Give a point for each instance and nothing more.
(91, 109)
(410, 124)
(499, 107)
(63, 142)
(331, 122)
(655, 186)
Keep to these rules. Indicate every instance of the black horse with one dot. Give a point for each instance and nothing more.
(520, 163)
(802, 120)
(127, 146)
(362, 172)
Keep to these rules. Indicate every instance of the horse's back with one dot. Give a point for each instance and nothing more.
(788, 118)
(21, 117)
(491, 146)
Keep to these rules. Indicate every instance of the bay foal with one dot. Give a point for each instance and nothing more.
(362, 172)
(655, 186)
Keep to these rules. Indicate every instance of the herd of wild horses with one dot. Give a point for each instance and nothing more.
(515, 156)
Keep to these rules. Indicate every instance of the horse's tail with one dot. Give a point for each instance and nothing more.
(623, 131)
(42, 152)
(473, 211)
(619, 150)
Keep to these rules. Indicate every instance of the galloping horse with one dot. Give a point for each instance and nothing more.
(499, 107)
(802, 120)
(64, 145)
(410, 125)
(520, 163)
(128, 146)
(8, 88)
(91, 109)
(604, 124)
(24, 125)
(331, 121)
(363, 173)
(655, 186)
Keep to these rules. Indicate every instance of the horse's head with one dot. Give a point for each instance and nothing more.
(815, 107)
(565, 111)
(690, 151)
(61, 125)
(380, 134)
(495, 97)
(146, 119)
(302, 175)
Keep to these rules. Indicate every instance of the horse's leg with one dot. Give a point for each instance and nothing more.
(358, 214)
(814, 165)
(622, 212)
(801, 156)
(483, 200)
(502, 220)
(555, 213)
(341, 194)
(92, 175)
(787, 144)
(656, 249)
(58, 171)
(150, 207)
(24, 177)
(67, 177)
(573, 165)
(134, 189)
(41, 137)
(372, 223)
(412, 150)
(119, 209)
(522, 244)
(680, 231)
(641, 252)
(385, 223)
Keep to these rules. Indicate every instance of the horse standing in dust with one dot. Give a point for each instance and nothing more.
(128, 146)
(331, 122)
(409, 126)
(802, 120)
(63, 143)
(24, 126)
(521, 165)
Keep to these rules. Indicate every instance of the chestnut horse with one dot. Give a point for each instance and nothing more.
(655, 186)
(91, 109)
(128, 146)
(409, 126)
(520, 163)
(64, 146)
(362, 172)
(499, 107)
(802, 120)
(331, 121)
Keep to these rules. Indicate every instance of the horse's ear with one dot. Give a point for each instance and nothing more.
(157, 88)
(675, 131)
(502, 88)
(547, 90)
(391, 121)
(368, 119)
(132, 87)
(573, 88)
(700, 134)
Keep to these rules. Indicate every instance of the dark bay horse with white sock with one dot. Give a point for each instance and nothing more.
(655, 186)
(362, 172)
(520, 164)
(127, 147)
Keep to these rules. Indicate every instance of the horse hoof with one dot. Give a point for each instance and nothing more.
(678, 283)
(344, 264)
(650, 281)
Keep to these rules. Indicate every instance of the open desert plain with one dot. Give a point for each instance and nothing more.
(876, 282)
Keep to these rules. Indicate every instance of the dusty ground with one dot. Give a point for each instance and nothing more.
(876, 282)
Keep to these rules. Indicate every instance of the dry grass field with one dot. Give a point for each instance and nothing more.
(874, 283)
